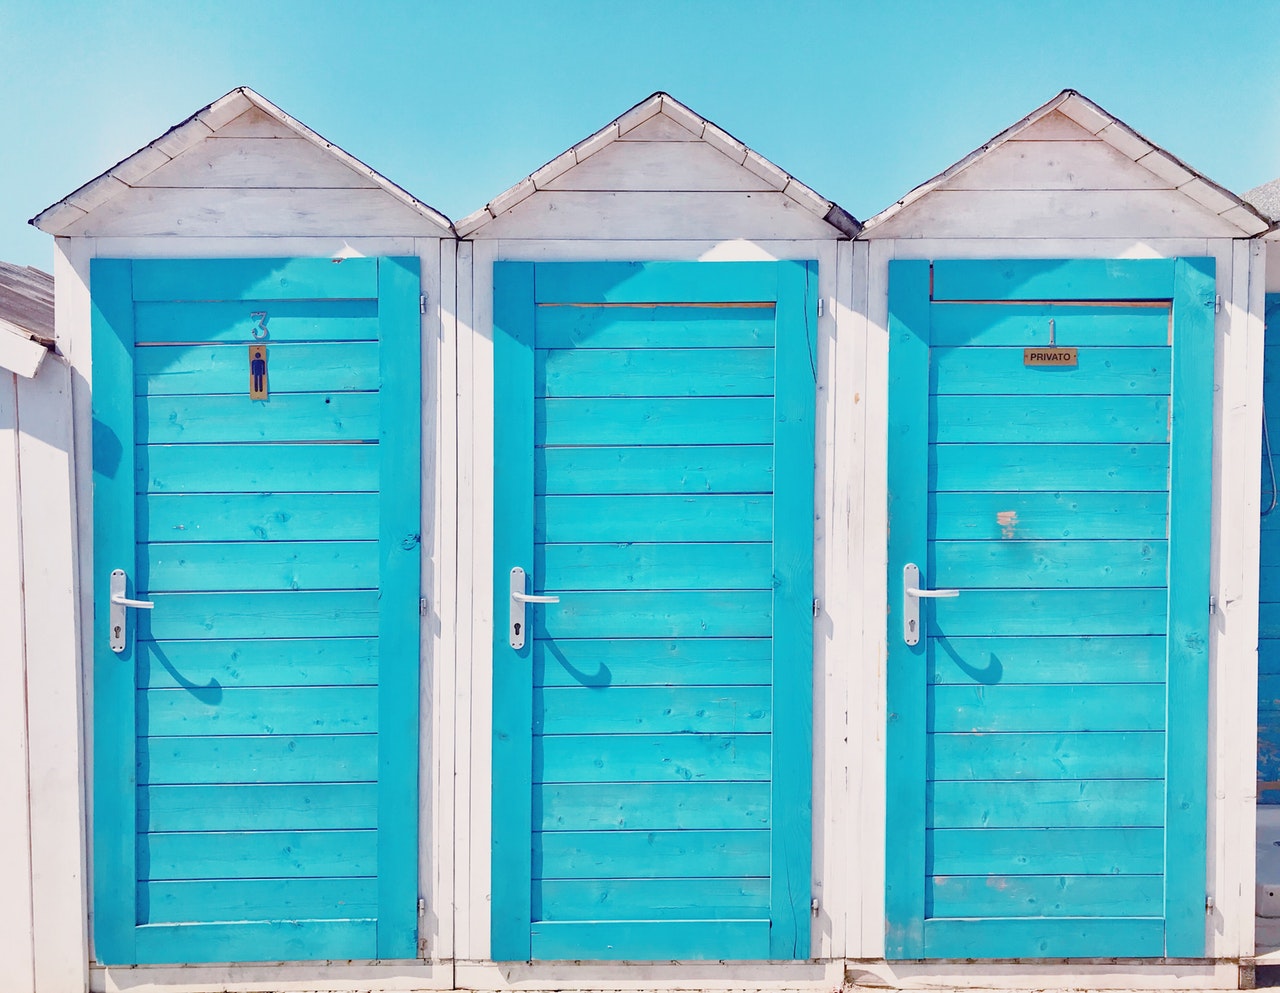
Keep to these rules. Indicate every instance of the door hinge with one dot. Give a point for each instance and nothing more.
(1217, 303)
(819, 306)
(422, 303)
(1208, 903)
(422, 606)
(817, 606)
(1213, 604)
(813, 906)
(422, 920)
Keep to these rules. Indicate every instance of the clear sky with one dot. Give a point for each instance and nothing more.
(456, 100)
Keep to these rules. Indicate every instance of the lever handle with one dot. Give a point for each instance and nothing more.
(515, 620)
(124, 601)
(931, 594)
(530, 598)
(912, 594)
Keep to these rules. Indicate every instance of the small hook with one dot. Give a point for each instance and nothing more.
(261, 317)
(1051, 341)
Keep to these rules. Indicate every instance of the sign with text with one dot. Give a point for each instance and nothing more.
(1049, 356)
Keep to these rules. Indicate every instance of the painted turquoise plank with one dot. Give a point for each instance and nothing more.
(1047, 851)
(1269, 621)
(687, 757)
(259, 517)
(1006, 516)
(1269, 656)
(624, 854)
(656, 282)
(653, 372)
(655, 327)
(1053, 279)
(1269, 691)
(175, 901)
(1081, 325)
(257, 941)
(661, 421)
(652, 710)
(301, 807)
(1071, 707)
(114, 910)
(1047, 660)
(651, 807)
(261, 615)
(265, 758)
(252, 710)
(1051, 612)
(1086, 937)
(650, 899)
(265, 854)
(622, 518)
(1091, 754)
(654, 566)
(223, 468)
(204, 369)
(656, 614)
(1051, 419)
(513, 339)
(1046, 564)
(260, 279)
(991, 895)
(287, 321)
(1190, 524)
(653, 662)
(1120, 371)
(655, 469)
(648, 940)
(327, 417)
(1064, 803)
(276, 565)
(908, 441)
(278, 662)
(1049, 467)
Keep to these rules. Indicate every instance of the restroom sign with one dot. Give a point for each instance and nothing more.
(1051, 355)
(257, 372)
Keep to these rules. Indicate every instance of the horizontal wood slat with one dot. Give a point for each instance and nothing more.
(653, 662)
(169, 420)
(1045, 851)
(287, 321)
(1099, 371)
(984, 419)
(272, 565)
(1048, 707)
(651, 807)
(292, 710)
(273, 662)
(654, 566)
(654, 614)
(654, 372)
(584, 757)
(1049, 515)
(625, 854)
(660, 710)
(1053, 279)
(294, 614)
(249, 279)
(663, 421)
(1039, 659)
(661, 283)
(267, 758)
(1026, 326)
(705, 517)
(662, 899)
(1049, 467)
(654, 469)
(1064, 803)
(260, 854)
(1048, 564)
(1084, 937)
(975, 754)
(1046, 896)
(640, 940)
(249, 899)
(258, 941)
(259, 517)
(1053, 612)
(277, 468)
(292, 807)
(335, 367)
(655, 327)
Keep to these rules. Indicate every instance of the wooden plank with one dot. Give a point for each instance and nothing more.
(324, 417)
(1052, 419)
(278, 565)
(256, 469)
(1048, 707)
(635, 421)
(1101, 370)
(252, 162)
(976, 754)
(1049, 467)
(658, 165)
(1046, 851)
(654, 372)
(651, 807)
(653, 662)
(1046, 515)
(1046, 564)
(654, 469)
(626, 854)
(268, 758)
(254, 710)
(1053, 279)
(265, 854)
(654, 566)
(664, 283)
(652, 710)
(290, 807)
(1056, 165)
(656, 327)
(1040, 659)
(710, 517)
(1047, 896)
(645, 614)
(661, 899)
(259, 941)
(1052, 612)
(275, 662)
(295, 614)
(255, 279)
(258, 517)
(683, 940)
(232, 321)
(295, 368)
(1064, 803)
(1022, 326)
(175, 901)
(698, 756)
(1088, 937)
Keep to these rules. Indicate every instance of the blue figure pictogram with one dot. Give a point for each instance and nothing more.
(258, 370)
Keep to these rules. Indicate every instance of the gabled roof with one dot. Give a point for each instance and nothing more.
(1102, 125)
(26, 318)
(200, 125)
(657, 112)
(1266, 198)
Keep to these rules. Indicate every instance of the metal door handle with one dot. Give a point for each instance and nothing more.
(911, 597)
(117, 603)
(933, 594)
(140, 604)
(515, 620)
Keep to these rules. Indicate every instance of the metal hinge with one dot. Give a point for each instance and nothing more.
(1213, 604)
(422, 920)
(1208, 903)
(819, 306)
(422, 606)
(1217, 303)
(817, 606)
(813, 907)
(422, 304)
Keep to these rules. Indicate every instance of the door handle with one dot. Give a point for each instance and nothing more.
(911, 597)
(118, 603)
(515, 622)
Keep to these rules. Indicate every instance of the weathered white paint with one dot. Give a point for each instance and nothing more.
(1075, 975)
(313, 978)
(657, 976)
(18, 353)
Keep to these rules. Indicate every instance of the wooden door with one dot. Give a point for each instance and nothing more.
(654, 471)
(1048, 733)
(255, 743)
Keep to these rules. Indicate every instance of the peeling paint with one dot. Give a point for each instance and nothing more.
(1008, 522)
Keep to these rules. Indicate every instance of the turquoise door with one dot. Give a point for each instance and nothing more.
(1047, 731)
(651, 745)
(255, 741)
(1269, 576)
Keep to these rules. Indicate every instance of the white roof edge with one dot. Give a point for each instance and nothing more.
(1109, 128)
(715, 136)
(186, 133)
(20, 353)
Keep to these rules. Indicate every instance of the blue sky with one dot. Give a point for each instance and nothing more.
(456, 101)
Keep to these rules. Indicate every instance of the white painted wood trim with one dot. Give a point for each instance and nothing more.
(18, 353)
(650, 976)
(288, 978)
(150, 247)
(1103, 975)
